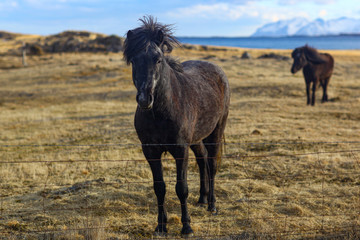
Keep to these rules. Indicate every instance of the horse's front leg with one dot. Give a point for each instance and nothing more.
(308, 93)
(154, 159)
(181, 155)
(315, 83)
(324, 86)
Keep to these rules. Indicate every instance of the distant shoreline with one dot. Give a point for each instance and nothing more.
(327, 42)
(340, 42)
(290, 36)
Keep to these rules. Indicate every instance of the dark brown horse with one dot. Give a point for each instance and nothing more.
(180, 105)
(317, 69)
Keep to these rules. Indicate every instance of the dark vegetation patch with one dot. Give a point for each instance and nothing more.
(7, 35)
(274, 56)
(68, 41)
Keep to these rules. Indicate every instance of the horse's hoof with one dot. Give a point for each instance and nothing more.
(187, 231)
(189, 235)
(201, 204)
(202, 200)
(160, 234)
(160, 231)
(213, 211)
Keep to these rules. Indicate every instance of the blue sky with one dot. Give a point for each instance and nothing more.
(190, 17)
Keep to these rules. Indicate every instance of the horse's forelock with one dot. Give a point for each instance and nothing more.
(161, 34)
(135, 42)
(151, 31)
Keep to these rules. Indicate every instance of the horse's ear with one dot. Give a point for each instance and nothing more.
(129, 34)
(163, 42)
(159, 37)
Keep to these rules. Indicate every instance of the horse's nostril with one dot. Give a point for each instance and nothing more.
(145, 101)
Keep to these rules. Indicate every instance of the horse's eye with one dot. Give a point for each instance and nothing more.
(157, 59)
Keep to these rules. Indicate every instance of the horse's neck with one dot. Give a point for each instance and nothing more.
(164, 91)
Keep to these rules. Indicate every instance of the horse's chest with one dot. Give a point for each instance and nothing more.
(152, 130)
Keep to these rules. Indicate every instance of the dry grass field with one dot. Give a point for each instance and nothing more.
(71, 165)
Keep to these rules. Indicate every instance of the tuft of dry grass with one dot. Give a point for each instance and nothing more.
(72, 166)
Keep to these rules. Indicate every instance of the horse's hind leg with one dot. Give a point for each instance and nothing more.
(324, 85)
(213, 145)
(308, 93)
(154, 159)
(201, 158)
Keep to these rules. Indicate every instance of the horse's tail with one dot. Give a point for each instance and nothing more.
(220, 152)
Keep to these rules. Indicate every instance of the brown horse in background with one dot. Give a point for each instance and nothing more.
(317, 69)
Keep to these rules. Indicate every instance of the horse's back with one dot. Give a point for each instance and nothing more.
(203, 72)
(208, 93)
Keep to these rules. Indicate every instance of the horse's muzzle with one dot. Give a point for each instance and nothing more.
(145, 101)
(294, 70)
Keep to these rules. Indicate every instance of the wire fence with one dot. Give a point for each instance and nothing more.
(267, 190)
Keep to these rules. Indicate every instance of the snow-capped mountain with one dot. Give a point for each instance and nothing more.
(331, 27)
(281, 28)
(304, 27)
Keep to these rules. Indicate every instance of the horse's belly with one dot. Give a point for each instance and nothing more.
(203, 129)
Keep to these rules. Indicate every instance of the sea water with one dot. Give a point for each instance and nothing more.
(328, 42)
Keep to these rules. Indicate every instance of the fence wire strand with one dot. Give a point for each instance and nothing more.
(50, 191)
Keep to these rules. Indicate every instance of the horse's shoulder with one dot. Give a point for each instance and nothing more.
(203, 73)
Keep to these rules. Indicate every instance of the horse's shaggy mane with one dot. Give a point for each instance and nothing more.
(151, 32)
(311, 54)
(174, 64)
